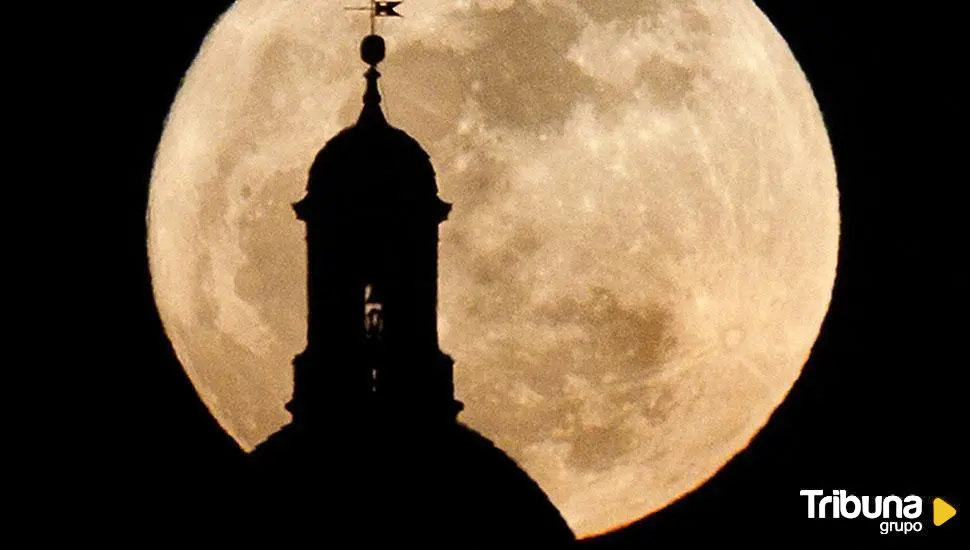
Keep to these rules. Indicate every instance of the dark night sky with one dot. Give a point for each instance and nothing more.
(875, 411)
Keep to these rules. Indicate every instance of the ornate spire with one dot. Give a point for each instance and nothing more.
(372, 52)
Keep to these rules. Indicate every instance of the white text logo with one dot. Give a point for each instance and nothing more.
(842, 505)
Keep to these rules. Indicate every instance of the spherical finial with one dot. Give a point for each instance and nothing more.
(372, 49)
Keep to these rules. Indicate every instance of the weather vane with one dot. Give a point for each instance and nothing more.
(378, 9)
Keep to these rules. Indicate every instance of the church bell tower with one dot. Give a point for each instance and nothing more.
(374, 413)
(372, 213)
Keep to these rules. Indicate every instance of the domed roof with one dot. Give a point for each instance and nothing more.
(447, 484)
(372, 161)
(374, 151)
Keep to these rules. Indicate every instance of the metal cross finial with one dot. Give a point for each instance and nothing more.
(378, 9)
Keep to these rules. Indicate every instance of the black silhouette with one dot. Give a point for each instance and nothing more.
(375, 446)
(110, 442)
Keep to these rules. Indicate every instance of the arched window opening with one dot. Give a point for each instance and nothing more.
(373, 312)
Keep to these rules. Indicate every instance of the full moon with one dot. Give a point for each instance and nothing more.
(642, 247)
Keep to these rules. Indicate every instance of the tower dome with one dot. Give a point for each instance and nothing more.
(371, 159)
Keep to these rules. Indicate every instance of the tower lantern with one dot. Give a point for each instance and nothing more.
(374, 413)
(372, 213)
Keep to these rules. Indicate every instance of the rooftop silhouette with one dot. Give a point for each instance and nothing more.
(375, 446)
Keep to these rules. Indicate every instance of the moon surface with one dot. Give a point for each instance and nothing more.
(642, 247)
